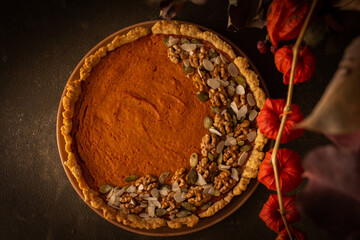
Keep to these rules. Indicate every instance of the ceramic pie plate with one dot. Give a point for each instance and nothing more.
(203, 223)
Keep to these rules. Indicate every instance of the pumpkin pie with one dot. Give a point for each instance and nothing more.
(160, 126)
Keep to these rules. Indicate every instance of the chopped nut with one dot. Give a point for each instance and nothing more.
(242, 130)
(240, 100)
(231, 155)
(208, 144)
(197, 197)
(224, 182)
(180, 178)
(220, 71)
(205, 168)
(219, 96)
(129, 204)
(223, 123)
(169, 204)
(149, 182)
(199, 82)
(174, 54)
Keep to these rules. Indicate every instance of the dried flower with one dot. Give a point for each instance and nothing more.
(271, 215)
(305, 66)
(270, 117)
(289, 167)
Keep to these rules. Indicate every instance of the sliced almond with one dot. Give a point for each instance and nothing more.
(155, 192)
(234, 174)
(188, 47)
(179, 197)
(242, 158)
(186, 62)
(223, 167)
(223, 59)
(230, 141)
(234, 107)
(151, 211)
(223, 112)
(201, 180)
(242, 112)
(144, 215)
(250, 99)
(251, 136)
(173, 41)
(233, 70)
(224, 83)
(253, 114)
(220, 146)
(240, 90)
(217, 60)
(213, 130)
(213, 83)
(208, 65)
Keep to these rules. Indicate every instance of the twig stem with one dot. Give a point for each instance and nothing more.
(287, 108)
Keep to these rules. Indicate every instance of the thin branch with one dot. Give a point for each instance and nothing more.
(286, 110)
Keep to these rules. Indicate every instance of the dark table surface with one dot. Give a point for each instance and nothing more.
(41, 43)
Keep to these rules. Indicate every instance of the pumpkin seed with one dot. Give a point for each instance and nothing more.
(183, 213)
(234, 120)
(215, 109)
(231, 91)
(162, 186)
(231, 112)
(188, 206)
(245, 148)
(240, 80)
(184, 40)
(212, 53)
(160, 212)
(202, 96)
(201, 67)
(105, 188)
(214, 174)
(187, 69)
(240, 170)
(163, 177)
(231, 134)
(194, 160)
(131, 178)
(205, 206)
(166, 41)
(210, 156)
(184, 190)
(240, 143)
(195, 41)
(193, 176)
(219, 158)
(208, 122)
(217, 192)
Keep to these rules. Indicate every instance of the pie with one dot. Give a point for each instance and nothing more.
(160, 127)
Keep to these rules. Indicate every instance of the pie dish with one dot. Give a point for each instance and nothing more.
(147, 102)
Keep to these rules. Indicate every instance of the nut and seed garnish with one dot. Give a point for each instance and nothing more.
(224, 149)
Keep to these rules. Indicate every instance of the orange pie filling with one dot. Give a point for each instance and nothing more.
(161, 128)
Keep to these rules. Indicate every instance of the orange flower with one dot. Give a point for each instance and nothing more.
(271, 216)
(289, 167)
(305, 66)
(270, 116)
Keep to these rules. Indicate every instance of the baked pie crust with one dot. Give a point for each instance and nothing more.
(74, 90)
